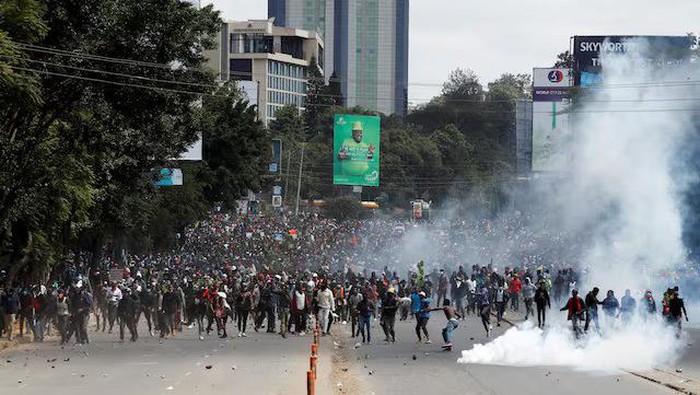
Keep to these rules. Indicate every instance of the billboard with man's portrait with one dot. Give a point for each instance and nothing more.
(356, 150)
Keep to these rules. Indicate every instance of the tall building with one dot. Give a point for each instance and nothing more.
(275, 57)
(366, 46)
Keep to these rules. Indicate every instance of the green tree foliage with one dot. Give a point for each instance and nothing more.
(236, 148)
(80, 134)
(565, 60)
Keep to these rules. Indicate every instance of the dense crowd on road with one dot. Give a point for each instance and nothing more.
(283, 274)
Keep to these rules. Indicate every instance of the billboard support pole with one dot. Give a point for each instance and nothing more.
(301, 166)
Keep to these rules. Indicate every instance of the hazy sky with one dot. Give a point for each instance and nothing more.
(493, 37)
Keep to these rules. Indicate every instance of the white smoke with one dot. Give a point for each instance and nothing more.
(622, 191)
(639, 347)
(621, 181)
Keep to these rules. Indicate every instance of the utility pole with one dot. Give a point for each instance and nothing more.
(301, 166)
(287, 174)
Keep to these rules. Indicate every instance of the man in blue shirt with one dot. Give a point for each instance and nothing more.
(423, 318)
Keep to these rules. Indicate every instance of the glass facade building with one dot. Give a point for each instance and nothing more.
(366, 46)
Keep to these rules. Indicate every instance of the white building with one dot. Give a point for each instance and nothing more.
(275, 57)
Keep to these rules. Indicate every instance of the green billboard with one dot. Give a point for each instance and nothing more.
(356, 150)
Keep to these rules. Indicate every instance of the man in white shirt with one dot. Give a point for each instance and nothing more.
(326, 304)
(113, 296)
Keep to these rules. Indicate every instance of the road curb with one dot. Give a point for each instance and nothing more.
(661, 377)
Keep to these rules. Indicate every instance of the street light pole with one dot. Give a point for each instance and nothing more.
(301, 166)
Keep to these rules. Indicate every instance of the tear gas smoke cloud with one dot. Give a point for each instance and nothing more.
(622, 181)
(622, 194)
(639, 347)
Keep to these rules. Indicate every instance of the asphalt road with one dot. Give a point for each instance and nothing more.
(268, 364)
(391, 368)
(259, 364)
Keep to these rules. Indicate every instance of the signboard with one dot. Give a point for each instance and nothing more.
(650, 50)
(116, 275)
(276, 162)
(356, 150)
(276, 201)
(170, 177)
(550, 121)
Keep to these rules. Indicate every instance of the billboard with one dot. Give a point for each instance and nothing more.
(550, 121)
(659, 50)
(356, 150)
(169, 177)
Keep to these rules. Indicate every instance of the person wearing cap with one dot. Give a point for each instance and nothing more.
(676, 312)
(423, 318)
(354, 154)
(388, 319)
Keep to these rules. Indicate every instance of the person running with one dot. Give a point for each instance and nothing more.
(365, 309)
(244, 305)
(575, 308)
(542, 301)
(423, 318)
(452, 323)
(500, 300)
(482, 301)
(592, 303)
(676, 312)
(528, 291)
(389, 307)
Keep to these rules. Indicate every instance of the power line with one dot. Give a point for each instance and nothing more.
(114, 82)
(60, 52)
(138, 77)
(636, 110)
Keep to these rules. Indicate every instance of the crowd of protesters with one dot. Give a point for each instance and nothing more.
(282, 274)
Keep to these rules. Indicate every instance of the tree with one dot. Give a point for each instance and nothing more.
(236, 149)
(565, 60)
(462, 84)
(78, 146)
(333, 91)
(315, 99)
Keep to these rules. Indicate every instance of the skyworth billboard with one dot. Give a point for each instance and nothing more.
(657, 50)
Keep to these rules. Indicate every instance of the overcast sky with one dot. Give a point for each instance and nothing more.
(493, 37)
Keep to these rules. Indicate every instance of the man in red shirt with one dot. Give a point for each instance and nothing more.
(514, 289)
(576, 309)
